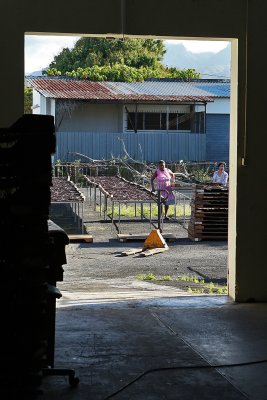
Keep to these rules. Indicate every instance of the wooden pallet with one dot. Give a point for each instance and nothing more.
(210, 197)
(210, 203)
(209, 218)
(207, 234)
(205, 228)
(198, 239)
(209, 222)
(122, 237)
(80, 238)
(144, 252)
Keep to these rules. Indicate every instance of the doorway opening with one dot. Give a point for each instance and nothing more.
(129, 130)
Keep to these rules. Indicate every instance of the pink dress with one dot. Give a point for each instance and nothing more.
(164, 184)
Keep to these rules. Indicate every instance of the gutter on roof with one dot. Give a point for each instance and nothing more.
(142, 102)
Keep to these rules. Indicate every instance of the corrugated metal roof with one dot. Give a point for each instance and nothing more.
(177, 88)
(216, 89)
(148, 91)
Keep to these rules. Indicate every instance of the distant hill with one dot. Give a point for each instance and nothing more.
(210, 65)
(35, 73)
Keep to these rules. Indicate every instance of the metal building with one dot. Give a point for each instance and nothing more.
(171, 119)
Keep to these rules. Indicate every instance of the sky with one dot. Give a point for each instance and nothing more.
(40, 50)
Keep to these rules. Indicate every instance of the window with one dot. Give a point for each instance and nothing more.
(198, 122)
(163, 121)
(184, 122)
(152, 121)
(134, 121)
(173, 122)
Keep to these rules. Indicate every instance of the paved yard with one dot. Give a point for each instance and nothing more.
(98, 271)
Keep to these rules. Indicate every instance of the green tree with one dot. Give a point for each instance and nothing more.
(51, 72)
(88, 52)
(130, 60)
(27, 100)
(123, 73)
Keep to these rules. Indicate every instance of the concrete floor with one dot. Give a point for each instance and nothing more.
(147, 345)
(155, 349)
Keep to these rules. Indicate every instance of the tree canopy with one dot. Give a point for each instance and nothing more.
(88, 52)
(101, 59)
(27, 100)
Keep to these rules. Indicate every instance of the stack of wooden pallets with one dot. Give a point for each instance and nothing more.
(209, 213)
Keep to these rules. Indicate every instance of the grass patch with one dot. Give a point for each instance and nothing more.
(130, 211)
(152, 277)
(186, 278)
(209, 288)
(220, 290)
(195, 290)
(191, 284)
(165, 278)
(146, 277)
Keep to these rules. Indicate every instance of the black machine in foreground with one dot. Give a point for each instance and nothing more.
(31, 258)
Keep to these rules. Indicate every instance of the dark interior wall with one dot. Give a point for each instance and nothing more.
(173, 18)
(251, 179)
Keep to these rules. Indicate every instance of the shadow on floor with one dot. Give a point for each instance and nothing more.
(203, 348)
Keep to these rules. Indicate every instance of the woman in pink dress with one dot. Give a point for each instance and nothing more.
(165, 179)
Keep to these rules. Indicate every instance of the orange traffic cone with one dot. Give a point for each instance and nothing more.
(155, 240)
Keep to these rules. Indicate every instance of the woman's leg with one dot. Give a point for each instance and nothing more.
(166, 210)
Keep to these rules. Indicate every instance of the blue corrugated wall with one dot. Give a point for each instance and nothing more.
(217, 132)
(149, 146)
